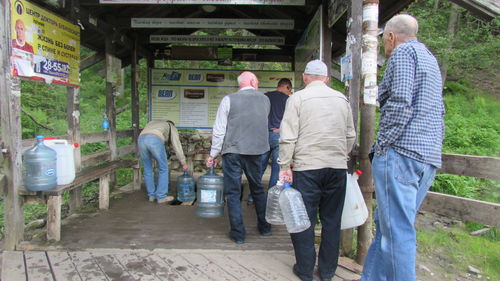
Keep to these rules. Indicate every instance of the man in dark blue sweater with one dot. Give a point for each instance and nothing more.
(278, 100)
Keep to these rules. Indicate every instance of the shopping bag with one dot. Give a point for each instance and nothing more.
(355, 212)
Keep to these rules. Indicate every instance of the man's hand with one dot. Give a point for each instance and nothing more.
(184, 167)
(210, 162)
(286, 175)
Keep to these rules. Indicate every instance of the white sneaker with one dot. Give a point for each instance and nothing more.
(167, 199)
(151, 199)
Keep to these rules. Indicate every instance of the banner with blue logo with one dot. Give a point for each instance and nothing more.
(190, 97)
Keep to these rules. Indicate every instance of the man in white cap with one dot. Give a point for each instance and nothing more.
(317, 133)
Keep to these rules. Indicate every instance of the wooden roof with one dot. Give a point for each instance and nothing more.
(114, 20)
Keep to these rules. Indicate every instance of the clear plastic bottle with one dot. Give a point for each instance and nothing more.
(273, 210)
(293, 209)
(39, 167)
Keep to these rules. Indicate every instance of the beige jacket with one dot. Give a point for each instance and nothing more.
(317, 130)
(163, 130)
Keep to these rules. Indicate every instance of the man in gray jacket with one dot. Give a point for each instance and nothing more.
(317, 133)
(240, 134)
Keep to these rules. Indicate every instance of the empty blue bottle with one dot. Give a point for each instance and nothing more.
(185, 188)
(273, 210)
(39, 167)
(210, 195)
(293, 209)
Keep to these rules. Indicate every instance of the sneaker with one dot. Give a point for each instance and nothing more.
(237, 241)
(167, 199)
(151, 198)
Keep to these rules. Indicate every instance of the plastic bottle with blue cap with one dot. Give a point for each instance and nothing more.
(293, 210)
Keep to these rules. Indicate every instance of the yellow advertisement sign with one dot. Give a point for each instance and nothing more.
(190, 97)
(44, 46)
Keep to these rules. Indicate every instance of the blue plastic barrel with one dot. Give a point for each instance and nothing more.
(39, 167)
(185, 188)
(210, 195)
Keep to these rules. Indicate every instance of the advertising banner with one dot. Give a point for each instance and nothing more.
(208, 2)
(44, 46)
(191, 97)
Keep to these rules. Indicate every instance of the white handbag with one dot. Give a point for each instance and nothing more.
(355, 212)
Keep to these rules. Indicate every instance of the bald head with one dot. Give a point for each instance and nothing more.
(248, 79)
(403, 25)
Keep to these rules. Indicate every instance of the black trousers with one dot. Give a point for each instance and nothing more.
(323, 190)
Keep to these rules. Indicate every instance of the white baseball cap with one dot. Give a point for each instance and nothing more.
(316, 67)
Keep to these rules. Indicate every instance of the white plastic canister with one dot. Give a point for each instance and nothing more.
(65, 159)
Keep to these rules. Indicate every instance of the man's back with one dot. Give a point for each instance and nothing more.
(411, 94)
(278, 103)
(246, 131)
(325, 132)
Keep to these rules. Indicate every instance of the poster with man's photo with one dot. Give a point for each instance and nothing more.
(44, 46)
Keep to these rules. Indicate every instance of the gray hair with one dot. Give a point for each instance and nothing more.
(403, 25)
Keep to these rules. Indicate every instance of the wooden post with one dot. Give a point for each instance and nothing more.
(10, 113)
(73, 114)
(104, 192)
(367, 130)
(327, 38)
(135, 95)
(54, 217)
(110, 107)
(150, 64)
(353, 90)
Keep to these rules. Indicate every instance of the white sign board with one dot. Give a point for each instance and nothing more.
(210, 2)
(251, 40)
(212, 23)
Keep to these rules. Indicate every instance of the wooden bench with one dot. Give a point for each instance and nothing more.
(53, 198)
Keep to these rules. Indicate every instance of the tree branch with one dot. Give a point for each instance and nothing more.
(36, 122)
(122, 109)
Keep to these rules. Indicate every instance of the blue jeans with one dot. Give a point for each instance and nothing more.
(152, 148)
(233, 166)
(401, 185)
(274, 144)
(322, 190)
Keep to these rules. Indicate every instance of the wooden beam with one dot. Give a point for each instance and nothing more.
(90, 61)
(10, 115)
(73, 115)
(54, 217)
(472, 166)
(135, 94)
(104, 192)
(463, 209)
(485, 10)
(366, 138)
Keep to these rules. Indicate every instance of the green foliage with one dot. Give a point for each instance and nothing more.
(461, 250)
(474, 44)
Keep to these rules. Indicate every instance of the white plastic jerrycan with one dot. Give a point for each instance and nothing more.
(65, 165)
(355, 212)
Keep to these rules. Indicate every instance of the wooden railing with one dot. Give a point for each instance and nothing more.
(465, 209)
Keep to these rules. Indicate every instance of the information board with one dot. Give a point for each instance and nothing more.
(190, 97)
(44, 46)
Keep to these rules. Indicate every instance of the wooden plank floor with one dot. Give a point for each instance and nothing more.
(123, 265)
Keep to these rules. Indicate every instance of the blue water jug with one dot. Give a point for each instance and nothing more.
(210, 195)
(39, 167)
(185, 188)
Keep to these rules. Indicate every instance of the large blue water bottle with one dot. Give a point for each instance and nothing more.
(39, 167)
(293, 209)
(185, 188)
(210, 195)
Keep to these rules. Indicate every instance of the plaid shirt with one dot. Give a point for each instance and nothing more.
(411, 105)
